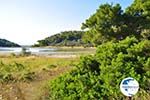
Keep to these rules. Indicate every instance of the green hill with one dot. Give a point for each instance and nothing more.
(66, 38)
(6, 43)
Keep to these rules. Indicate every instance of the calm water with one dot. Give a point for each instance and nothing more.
(7, 50)
(46, 51)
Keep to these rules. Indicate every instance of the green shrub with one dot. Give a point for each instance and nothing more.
(15, 72)
(98, 77)
(27, 76)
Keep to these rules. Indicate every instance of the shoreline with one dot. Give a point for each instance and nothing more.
(6, 55)
(57, 52)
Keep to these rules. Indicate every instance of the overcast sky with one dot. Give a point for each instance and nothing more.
(26, 21)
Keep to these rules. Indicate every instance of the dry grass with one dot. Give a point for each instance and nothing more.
(45, 69)
(37, 63)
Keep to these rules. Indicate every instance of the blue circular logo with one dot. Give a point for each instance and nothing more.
(129, 86)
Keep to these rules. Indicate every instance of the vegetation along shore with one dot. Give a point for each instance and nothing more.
(89, 64)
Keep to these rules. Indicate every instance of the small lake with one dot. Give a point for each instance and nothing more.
(47, 51)
(16, 50)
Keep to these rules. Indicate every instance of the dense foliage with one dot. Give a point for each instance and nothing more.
(98, 77)
(66, 38)
(123, 40)
(6, 43)
(15, 72)
(110, 22)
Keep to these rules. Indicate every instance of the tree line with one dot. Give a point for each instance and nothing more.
(66, 38)
(109, 23)
(6, 43)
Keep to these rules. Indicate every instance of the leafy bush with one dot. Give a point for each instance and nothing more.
(99, 76)
(15, 72)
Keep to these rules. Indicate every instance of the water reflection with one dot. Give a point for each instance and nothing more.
(18, 50)
(48, 51)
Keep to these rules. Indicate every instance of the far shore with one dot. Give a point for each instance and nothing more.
(80, 47)
(59, 52)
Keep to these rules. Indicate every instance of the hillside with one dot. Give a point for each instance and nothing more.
(6, 43)
(66, 38)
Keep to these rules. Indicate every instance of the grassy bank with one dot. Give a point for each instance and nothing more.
(14, 67)
(25, 78)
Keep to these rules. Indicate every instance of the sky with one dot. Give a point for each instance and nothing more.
(26, 21)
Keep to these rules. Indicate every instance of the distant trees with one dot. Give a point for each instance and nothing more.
(66, 38)
(6, 43)
(110, 22)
